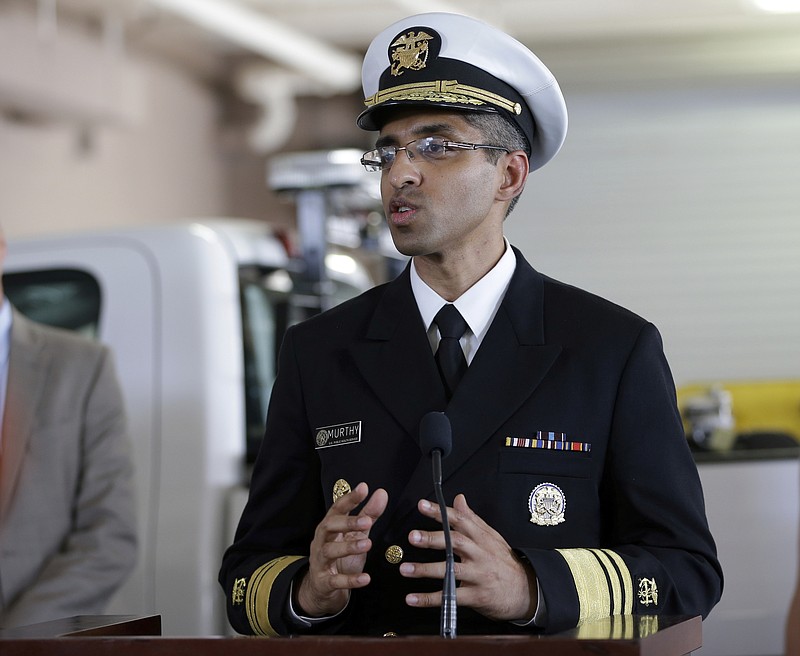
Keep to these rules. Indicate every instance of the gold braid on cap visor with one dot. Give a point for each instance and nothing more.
(445, 91)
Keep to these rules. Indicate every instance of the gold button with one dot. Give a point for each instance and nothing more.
(394, 554)
(340, 488)
(390, 634)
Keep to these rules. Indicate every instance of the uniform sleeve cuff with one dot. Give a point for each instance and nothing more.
(298, 621)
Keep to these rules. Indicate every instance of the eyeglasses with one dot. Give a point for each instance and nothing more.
(429, 149)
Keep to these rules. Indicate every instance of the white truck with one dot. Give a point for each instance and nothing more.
(194, 314)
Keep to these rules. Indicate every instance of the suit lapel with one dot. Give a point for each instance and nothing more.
(509, 365)
(25, 385)
(395, 358)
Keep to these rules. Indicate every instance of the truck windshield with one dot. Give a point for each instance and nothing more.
(265, 305)
(65, 298)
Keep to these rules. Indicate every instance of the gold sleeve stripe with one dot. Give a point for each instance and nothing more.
(613, 580)
(259, 588)
(443, 91)
(602, 581)
(625, 579)
(590, 583)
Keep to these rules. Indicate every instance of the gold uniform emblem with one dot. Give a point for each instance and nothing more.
(237, 594)
(648, 592)
(340, 488)
(394, 554)
(409, 52)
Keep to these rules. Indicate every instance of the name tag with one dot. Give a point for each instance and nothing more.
(338, 435)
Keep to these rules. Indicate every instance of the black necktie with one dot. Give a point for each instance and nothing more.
(449, 356)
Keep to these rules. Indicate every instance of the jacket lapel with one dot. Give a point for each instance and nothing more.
(25, 384)
(395, 358)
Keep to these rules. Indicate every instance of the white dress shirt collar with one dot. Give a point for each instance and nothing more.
(5, 331)
(478, 305)
(5, 347)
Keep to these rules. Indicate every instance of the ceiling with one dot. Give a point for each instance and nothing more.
(272, 52)
(340, 30)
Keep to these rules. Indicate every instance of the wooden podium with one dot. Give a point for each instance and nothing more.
(628, 635)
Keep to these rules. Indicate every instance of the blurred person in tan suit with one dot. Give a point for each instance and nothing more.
(67, 512)
(793, 620)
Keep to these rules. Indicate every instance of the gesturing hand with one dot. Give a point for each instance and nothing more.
(493, 580)
(338, 553)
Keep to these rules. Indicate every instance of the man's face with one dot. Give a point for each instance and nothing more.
(440, 208)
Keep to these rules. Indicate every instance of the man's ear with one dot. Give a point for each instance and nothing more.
(515, 174)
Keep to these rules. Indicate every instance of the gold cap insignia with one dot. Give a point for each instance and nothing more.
(547, 505)
(648, 592)
(409, 52)
(340, 488)
(237, 594)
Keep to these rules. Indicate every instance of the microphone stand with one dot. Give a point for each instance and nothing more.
(448, 619)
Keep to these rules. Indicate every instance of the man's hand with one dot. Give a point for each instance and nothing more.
(492, 579)
(338, 553)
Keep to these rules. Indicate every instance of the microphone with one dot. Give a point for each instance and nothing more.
(436, 439)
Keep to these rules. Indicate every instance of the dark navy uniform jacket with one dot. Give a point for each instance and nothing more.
(613, 521)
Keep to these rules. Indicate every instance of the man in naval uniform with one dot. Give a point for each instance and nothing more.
(572, 494)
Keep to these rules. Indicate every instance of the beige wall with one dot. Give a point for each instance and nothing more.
(92, 139)
(57, 177)
(139, 143)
